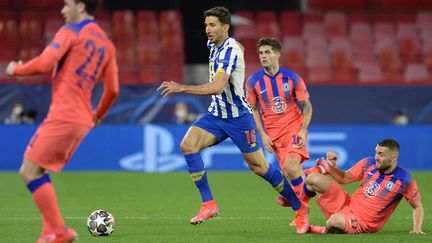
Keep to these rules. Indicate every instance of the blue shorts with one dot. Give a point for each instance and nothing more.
(241, 130)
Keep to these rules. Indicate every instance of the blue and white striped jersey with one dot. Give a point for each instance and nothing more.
(228, 58)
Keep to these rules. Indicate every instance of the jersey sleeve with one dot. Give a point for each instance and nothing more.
(356, 172)
(250, 92)
(111, 85)
(46, 61)
(411, 193)
(227, 61)
(301, 91)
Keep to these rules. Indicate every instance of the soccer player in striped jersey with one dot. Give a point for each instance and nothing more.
(383, 185)
(273, 93)
(229, 116)
(80, 54)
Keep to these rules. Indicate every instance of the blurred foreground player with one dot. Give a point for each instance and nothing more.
(80, 54)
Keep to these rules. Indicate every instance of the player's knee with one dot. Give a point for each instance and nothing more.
(312, 179)
(187, 148)
(25, 175)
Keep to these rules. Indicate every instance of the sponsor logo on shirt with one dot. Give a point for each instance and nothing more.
(279, 105)
(371, 191)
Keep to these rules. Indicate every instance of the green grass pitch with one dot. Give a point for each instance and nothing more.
(157, 208)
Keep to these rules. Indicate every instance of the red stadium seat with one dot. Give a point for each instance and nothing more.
(8, 26)
(293, 52)
(128, 75)
(320, 74)
(406, 4)
(345, 75)
(52, 4)
(290, 24)
(384, 30)
(361, 32)
(29, 51)
(358, 17)
(124, 25)
(317, 58)
(312, 30)
(267, 24)
(312, 17)
(416, 72)
(149, 51)
(170, 23)
(172, 72)
(409, 43)
(126, 52)
(246, 29)
(30, 29)
(8, 4)
(150, 75)
(335, 24)
(340, 52)
(337, 4)
(370, 73)
(147, 24)
(9, 51)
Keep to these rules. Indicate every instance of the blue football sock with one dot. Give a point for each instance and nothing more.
(308, 193)
(199, 175)
(275, 177)
(38, 182)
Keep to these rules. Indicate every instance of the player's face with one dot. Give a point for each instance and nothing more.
(70, 12)
(215, 30)
(385, 158)
(268, 57)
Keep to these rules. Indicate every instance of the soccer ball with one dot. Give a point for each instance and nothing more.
(101, 223)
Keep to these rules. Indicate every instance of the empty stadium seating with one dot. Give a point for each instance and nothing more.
(348, 46)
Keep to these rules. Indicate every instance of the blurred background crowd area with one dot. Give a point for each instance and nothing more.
(367, 61)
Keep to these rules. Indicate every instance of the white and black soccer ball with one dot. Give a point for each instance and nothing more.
(101, 223)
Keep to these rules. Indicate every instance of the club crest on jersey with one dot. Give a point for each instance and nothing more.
(389, 185)
(285, 87)
(279, 105)
(371, 190)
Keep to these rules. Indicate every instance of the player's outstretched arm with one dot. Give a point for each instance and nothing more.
(418, 215)
(341, 176)
(214, 88)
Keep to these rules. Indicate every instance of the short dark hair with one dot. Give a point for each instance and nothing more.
(273, 42)
(221, 13)
(91, 5)
(390, 143)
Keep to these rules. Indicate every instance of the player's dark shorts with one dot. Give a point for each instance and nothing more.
(242, 130)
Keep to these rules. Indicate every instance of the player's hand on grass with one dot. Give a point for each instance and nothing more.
(417, 232)
(267, 142)
(301, 138)
(11, 66)
(169, 87)
(331, 158)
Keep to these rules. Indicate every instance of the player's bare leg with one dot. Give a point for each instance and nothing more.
(195, 140)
